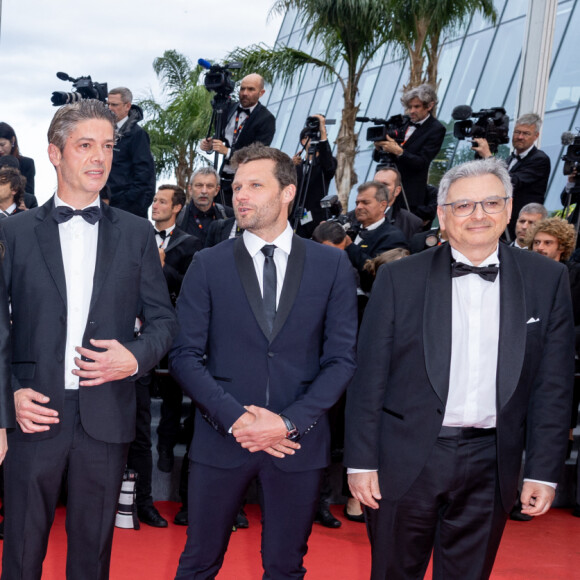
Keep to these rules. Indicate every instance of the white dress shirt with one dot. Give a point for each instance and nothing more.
(78, 243)
(162, 243)
(283, 243)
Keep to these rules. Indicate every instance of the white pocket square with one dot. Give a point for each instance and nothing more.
(532, 320)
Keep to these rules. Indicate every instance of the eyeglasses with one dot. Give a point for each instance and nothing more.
(466, 207)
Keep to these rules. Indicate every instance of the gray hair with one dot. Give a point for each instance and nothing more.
(381, 191)
(206, 170)
(477, 168)
(530, 119)
(126, 94)
(533, 207)
(425, 93)
(68, 117)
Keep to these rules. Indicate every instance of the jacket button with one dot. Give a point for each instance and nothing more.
(271, 354)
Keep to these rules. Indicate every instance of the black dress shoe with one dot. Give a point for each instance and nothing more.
(575, 513)
(360, 518)
(242, 520)
(150, 516)
(2, 530)
(166, 459)
(181, 518)
(326, 519)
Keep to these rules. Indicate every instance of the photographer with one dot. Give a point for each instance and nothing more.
(423, 139)
(315, 172)
(246, 122)
(529, 168)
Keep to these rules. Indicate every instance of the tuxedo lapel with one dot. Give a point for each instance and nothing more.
(419, 131)
(437, 322)
(109, 235)
(512, 329)
(49, 243)
(176, 238)
(292, 281)
(247, 273)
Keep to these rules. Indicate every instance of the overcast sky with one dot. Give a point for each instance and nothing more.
(114, 41)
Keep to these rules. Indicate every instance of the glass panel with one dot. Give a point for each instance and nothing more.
(554, 124)
(365, 88)
(282, 119)
(385, 88)
(335, 112)
(287, 23)
(467, 72)
(562, 15)
(447, 60)
(515, 8)
(311, 77)
(500, 65)
(297, 120)
(479, 22)
(564, 87)
(319, 105)
(377, 60)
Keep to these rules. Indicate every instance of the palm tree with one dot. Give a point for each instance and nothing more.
(341, 31)
(419, 28)
(177, 126)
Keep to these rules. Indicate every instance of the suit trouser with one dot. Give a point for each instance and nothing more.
(289, 502)
(34, 472)
(453, 508)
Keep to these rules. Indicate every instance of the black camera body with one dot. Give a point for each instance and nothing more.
(394, 127)
(84, 87)
(490, 124)
(312, 129)
(218, 78)
(571, 158)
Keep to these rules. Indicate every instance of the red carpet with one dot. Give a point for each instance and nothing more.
(547, 549)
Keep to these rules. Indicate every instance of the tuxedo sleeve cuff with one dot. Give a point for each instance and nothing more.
(350, 470)
(554, 485)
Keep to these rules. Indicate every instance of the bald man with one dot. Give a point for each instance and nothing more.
(246, 122)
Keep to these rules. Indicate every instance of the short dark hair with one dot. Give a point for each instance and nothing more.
(381, 191)
(16, 180)
(178, 194)
(284, 170)
(7, 132)
(331, 232)
(392, 168)
(69, 116)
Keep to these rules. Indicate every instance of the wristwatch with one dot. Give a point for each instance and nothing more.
(291, 432)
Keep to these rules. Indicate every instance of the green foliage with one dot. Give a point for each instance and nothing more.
(177, 125)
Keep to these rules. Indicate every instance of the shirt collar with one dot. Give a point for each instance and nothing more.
(375, 225)
(122, 122)
(58, 202)
(254, 243)
(493, 258)
(522, 155)
(10, 209)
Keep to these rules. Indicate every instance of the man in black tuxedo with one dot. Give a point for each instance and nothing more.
(423, 139)
(407, 222)
(271, 351)
(246, 122)
(202, 209)
(457, 366)
(78, 274)
(528, 166)
(528, 216)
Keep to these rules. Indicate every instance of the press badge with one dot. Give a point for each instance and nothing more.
(306, 218)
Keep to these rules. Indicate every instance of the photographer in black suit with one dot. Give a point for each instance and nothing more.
(529, 168)
(423, 139)
(246, 122)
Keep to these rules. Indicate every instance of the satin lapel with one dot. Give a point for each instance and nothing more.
(247, 273)
(419, 131)
(49, 243)
(512, 325)
(175, 239)
(109, 235)
(437, 322)
(292, 281)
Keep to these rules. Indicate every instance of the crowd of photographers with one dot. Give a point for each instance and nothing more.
(393, 216)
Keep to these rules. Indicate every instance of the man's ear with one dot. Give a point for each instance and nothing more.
(54, 154)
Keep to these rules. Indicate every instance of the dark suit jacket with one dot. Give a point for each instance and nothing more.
(385, 237)
(403, 219)
(260, 126)
(300, 369)
(418, 152)
(530, 181)
(396, 402)
(128, 282)
(7, 416)
(178, 255)
(220, 231)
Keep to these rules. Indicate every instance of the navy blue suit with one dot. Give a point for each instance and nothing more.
(299, 370)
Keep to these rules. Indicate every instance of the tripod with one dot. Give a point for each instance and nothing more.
(219, 104)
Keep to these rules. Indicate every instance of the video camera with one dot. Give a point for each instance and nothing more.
(394, 127)
(491, 124)
(85, 89)
(218, 78)
(571, 158)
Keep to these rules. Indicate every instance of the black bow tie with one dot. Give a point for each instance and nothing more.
(63, 213)
(514, 156)
(364, 233)
(242, 110)
(411, 124)
(162, 234)
(488, 273)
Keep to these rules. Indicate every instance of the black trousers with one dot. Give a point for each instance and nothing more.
(453, 509)
(33, 475)
(289, 502)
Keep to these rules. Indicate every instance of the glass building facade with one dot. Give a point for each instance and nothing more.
(479, 66)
